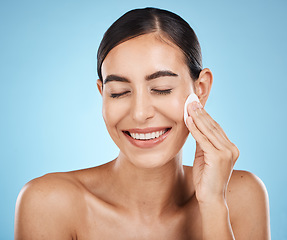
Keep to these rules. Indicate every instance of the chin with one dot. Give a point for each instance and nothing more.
(150, 159)
(154, 153)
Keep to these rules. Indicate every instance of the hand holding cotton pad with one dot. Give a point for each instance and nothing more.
(191, 98)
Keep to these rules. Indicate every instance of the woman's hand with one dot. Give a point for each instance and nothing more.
(215, 156)
(214, 159)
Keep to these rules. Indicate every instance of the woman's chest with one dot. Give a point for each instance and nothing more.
(106, 224)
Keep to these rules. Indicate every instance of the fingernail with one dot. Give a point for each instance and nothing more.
(195, 105)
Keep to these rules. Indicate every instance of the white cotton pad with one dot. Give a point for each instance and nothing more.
(191, 98)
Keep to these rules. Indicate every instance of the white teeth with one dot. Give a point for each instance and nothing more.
(147, 136)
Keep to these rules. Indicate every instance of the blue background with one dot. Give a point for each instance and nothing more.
(51, 109)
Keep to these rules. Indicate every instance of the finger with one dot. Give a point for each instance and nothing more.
(230, 146)
(199, 137)
(216, 126)
(226, 146)
(205, 126)
(199, 151)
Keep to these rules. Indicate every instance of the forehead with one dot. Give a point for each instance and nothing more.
(144, 54)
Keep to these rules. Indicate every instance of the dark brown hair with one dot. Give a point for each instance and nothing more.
(147, 20)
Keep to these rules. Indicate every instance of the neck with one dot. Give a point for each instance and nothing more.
(151, 191)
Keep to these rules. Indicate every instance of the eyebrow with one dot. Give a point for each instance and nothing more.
(162, 73)
(116, 78)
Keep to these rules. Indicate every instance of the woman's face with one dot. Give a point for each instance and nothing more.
(145, 85)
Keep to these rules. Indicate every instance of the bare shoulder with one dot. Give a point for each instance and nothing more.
(248, 204)
(245, 182)
(45, 207)
(50, 188)
(55, 205)
(52, 184)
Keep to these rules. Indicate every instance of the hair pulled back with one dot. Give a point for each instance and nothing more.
(148, 20)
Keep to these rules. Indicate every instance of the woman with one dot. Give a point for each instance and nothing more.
(149, 61)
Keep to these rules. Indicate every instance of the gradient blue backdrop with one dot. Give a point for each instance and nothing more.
(51, 109)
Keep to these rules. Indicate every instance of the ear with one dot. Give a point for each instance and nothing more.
(203, 85)
(100, 86)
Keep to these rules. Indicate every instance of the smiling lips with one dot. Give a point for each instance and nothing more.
(146, 138)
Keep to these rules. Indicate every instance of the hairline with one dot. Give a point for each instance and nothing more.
(159, 35)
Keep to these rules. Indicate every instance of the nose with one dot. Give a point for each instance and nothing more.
(142, 108)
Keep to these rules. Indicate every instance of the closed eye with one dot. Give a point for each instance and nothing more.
(117, 95)
(164, 92)
(156, 91)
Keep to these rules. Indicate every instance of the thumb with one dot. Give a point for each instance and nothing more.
(198, 150)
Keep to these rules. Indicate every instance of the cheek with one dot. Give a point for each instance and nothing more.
(113, 111)
(173, 107)
(177, 106)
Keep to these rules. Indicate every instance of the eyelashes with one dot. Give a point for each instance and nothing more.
(164, 92)
(156, 91)
(117, 95)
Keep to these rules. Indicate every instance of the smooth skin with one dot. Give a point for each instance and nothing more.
(148, 193)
